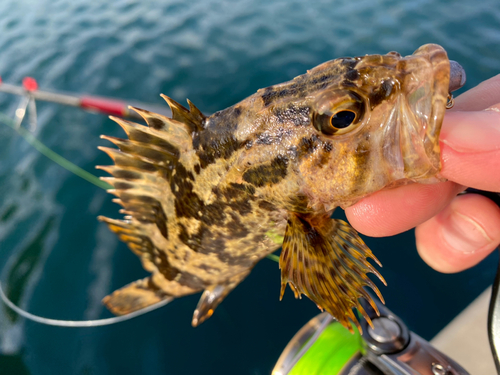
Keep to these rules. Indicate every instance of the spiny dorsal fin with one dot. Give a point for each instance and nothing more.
(154, 120)
(140, 192)
(156, 153)
(328, 263)
(142, 173)
(143, 180)
(170, 133)
(127, 233)
(196, 112)
(129, 161)
(192, 117)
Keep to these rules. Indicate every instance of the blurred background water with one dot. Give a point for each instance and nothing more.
(216, 53)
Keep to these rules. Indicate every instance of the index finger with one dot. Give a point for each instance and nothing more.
(483, 96)
(470, 148)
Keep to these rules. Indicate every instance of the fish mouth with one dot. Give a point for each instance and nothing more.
(421, 112)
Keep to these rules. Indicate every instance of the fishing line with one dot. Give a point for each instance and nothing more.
(273, 257)
(52, 155)
(80, 323)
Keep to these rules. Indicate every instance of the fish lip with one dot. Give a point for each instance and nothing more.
(439, 91)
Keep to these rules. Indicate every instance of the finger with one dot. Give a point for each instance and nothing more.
(484, 95)
(470, 148)
(393, 211)
(460, 236)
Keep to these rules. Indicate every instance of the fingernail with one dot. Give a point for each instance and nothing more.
(472, 131)
(464, 234)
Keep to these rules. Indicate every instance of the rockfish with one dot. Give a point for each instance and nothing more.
(206, 198)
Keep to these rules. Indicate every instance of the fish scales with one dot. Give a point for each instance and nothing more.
(206, 198)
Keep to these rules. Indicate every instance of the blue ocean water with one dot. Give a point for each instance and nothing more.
(216, 53)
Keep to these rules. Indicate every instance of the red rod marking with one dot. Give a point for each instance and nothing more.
(30, 84)
(107, 106)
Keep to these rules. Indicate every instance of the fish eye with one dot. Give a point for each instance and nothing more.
(342, 119)
(340, 113)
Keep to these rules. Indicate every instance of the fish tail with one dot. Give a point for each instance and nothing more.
(134, 296)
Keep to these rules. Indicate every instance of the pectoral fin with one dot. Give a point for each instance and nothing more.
(326, 260)
(134, 296)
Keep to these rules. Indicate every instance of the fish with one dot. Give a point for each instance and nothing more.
(205, 198)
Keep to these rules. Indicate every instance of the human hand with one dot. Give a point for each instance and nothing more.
(453, 232)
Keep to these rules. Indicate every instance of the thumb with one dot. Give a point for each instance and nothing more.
(461, 235)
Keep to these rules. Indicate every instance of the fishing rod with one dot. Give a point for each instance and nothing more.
(30, 92)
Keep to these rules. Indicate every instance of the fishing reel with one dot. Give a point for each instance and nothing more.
(323, 346)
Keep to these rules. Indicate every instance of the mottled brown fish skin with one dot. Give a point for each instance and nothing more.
(206, 198)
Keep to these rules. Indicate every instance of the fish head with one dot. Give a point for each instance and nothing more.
(352, 126)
